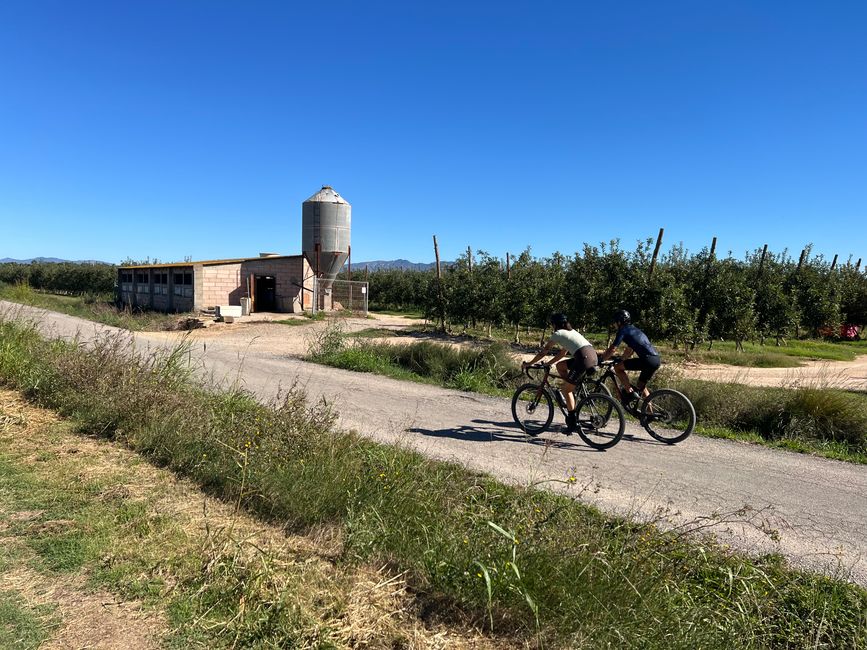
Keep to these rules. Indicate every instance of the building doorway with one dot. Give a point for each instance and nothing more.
(266, 293)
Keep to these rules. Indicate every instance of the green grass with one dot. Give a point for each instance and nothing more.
(487, 369)
(533, 565)
(22, 627)
(769, 355)
(374, 333)
(97, 308)
(390, 312)
(292, 322)
(825, 421)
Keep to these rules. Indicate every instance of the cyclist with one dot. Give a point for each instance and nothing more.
(583, 358)
(647, 358)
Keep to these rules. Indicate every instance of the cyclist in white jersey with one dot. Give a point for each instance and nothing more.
(583, 358)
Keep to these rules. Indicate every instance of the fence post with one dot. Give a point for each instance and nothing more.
(442, 308)
(655, 253)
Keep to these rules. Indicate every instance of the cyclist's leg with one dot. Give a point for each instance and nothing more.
(585, 358)
(622, 377)
(564, 369)
(649, 366)
(633, 363)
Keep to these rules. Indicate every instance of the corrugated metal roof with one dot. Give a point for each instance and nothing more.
(210, 262)
(326, 195)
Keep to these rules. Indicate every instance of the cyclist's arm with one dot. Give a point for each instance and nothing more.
(542, 354)
(557, 357)
(607, 354)
(628, 352)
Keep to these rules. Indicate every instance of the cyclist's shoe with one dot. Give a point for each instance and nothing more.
(630, 400)
(571, 422)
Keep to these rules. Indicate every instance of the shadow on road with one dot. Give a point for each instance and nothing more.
(491, 431)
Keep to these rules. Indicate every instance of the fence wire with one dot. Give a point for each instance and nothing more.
(340, 295)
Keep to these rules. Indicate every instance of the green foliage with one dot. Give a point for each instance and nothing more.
(816, 415)
(486, 369)
(62, 277)
(687, 299)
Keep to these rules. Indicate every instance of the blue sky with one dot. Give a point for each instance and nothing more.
(168, 129)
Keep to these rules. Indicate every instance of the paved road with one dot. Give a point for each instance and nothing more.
(812, 510)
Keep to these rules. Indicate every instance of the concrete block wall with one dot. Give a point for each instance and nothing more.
(221, 285)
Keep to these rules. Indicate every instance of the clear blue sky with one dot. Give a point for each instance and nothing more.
(173, 128)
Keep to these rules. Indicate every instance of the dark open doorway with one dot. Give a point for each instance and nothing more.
(266, 293)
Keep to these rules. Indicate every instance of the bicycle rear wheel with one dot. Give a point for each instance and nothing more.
(601, 421)
(532, 408)
(668, 416)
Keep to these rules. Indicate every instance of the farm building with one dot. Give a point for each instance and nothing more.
(278, 283)
(268, 283)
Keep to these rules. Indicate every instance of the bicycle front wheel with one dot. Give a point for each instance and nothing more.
(601, 421)
(668, 416)
(532, 408)
(596, 386)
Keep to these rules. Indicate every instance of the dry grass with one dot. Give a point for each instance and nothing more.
(350, 606)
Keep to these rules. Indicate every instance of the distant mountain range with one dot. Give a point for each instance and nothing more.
(47, 260)
(376, 265)
(406, 265)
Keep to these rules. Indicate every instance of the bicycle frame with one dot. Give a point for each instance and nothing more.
(608, 373)
(545, 385)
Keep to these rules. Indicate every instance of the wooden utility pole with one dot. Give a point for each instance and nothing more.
(349, 263)
(834, 263)
(655, 253)
(469, 259)
(508, 268)
(858, 265)
(713, 248)
(801, 261)
(442, 309)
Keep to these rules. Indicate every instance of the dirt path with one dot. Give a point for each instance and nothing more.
(849, 375)
(811, 510)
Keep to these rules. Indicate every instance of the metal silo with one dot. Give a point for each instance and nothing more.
(325, 224)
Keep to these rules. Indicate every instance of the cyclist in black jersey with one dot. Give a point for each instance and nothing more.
(646, 357)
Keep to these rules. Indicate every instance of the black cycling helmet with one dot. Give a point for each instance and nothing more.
(559, 320)
(621, 316)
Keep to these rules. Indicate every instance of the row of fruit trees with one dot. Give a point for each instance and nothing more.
(684, 298)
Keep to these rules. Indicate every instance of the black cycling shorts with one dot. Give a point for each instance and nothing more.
(647, 365)
(584, 359)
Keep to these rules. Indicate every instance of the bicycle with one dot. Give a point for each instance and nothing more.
(533, 410)
(666, 414)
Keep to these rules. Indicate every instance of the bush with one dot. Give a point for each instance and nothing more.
(808, 413)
